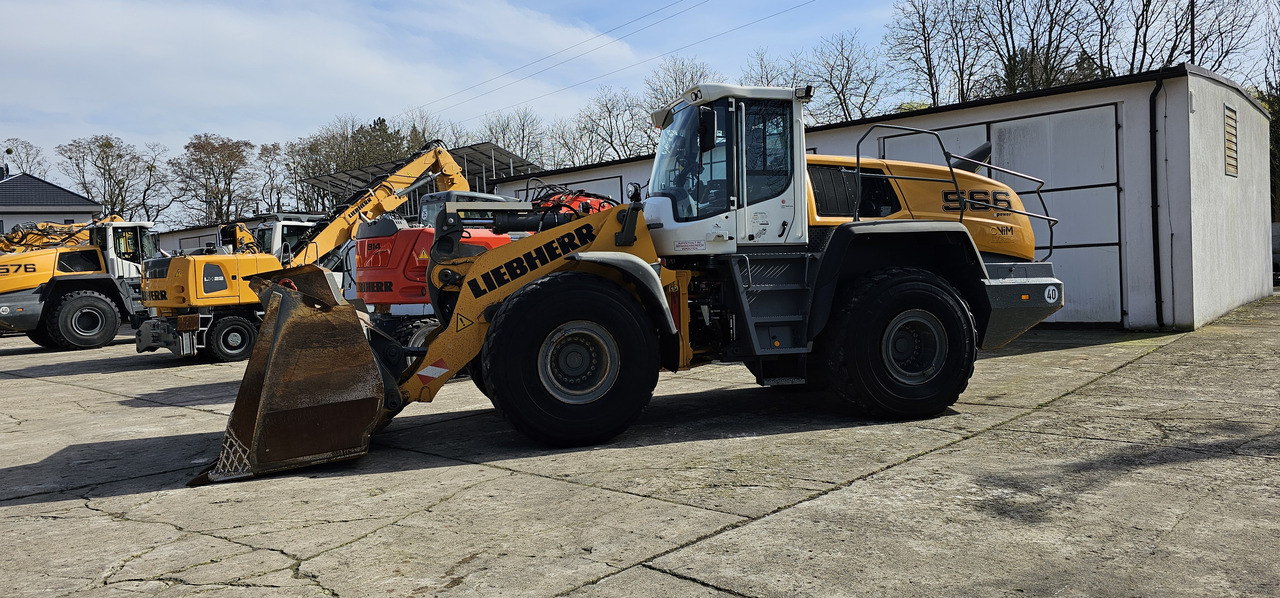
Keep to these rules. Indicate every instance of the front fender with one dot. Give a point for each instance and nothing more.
(644, 276)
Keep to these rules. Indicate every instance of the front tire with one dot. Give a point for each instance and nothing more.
(83, 320)
(571, 360)
(40, 336)
(231, 338)
(906, 345)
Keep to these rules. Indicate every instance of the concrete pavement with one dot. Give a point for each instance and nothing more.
(1078, 463)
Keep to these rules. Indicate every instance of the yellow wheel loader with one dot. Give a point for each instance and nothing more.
(75, 295)
(876, 279)
(203, 303)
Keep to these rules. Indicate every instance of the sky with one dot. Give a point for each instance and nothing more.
(164, 70)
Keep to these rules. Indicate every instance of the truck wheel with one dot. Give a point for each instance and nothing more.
(231, 338)
(83, 320)
(571, 360)
(476, 369)
(415, 333)
(905, 345)
(40, 336)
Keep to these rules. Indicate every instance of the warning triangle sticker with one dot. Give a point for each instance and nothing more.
(463, 323)
(423, 255)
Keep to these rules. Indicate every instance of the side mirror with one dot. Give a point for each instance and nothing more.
(706, 129)
(633, 192)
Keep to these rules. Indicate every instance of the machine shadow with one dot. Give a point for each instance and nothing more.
(213, 393)
(1041, 340)
(124, 338)
(474, 436)
(102, 365)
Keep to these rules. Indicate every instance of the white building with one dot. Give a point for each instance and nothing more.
(1180, 151)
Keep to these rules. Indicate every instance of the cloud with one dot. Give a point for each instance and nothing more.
(162, 71)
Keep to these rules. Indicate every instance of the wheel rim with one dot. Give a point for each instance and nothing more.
(88, 321)
(914, 346)
(235, 339)
(578, 362)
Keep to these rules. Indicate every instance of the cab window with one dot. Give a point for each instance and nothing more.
(127, 244)
(767, 149)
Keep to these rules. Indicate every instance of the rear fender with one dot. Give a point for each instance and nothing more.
(944, 248)
(102, 283)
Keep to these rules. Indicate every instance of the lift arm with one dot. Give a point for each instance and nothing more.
(381, 197)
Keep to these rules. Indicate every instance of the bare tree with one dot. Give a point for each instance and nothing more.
(567, 144)
(768, 71)
(915, 44)
(852, 80)
(1098, 33)
(1156, 28)
(214, 178)
(27, 156)
(674, 76)
(967, 55)
(1224, 32)
(272, 174)
(519, 131)
(1269, 94)
(304, 158)
(1034, 41)
(613, 126)
(126, 181)
(152, 183)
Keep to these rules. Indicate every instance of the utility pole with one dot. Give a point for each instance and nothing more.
(1192, 7)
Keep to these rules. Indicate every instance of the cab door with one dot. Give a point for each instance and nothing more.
(769, 149)
(125, 251)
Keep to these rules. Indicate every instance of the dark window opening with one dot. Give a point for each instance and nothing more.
(79, 261)
(834, 187)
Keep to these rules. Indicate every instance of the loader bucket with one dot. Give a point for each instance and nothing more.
(312, 391)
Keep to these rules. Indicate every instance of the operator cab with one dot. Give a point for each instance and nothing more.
(125, 247)
(726, 169)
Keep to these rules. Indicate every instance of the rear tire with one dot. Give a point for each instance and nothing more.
(414, 333)
(904, 345)
(83, 320)
(571, 360)
(231, 338)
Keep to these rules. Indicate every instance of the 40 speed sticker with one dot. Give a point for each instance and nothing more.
(1051, 294)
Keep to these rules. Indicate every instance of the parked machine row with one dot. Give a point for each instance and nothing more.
(875, 279)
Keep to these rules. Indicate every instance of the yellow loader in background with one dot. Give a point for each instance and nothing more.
(875, 279)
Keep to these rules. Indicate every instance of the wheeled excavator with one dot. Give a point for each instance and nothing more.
(874, 279)
(203, 303)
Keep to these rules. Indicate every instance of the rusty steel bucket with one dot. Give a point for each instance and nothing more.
(313, 391)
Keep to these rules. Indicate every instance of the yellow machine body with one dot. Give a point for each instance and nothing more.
(978, 203)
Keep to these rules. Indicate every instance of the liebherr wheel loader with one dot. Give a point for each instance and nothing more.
(875, 279)
(76, 296)
(203, 303)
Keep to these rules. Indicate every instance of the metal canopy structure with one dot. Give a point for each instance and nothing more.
(481, 163)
